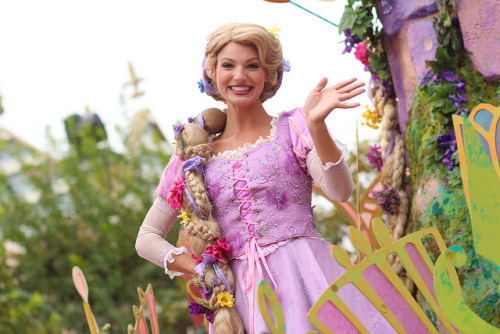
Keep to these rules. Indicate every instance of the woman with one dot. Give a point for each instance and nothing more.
(243, 180)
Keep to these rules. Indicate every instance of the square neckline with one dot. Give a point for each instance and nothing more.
(238, 152)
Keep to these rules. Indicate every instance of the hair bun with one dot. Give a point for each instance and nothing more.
(214, 119)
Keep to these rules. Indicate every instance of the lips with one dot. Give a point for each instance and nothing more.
(240, 89)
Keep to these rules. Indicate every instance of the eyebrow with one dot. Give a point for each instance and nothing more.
(248, 61)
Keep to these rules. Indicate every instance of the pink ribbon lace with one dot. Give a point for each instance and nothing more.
(254, 256)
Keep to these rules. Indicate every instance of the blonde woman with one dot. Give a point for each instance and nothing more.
(242, 181)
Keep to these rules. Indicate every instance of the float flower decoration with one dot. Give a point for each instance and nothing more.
(372, 118)
(387, 200)
(374, 156)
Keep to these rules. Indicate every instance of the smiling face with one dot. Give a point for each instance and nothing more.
(239, 75)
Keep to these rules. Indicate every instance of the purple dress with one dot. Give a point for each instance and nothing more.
(262, 201)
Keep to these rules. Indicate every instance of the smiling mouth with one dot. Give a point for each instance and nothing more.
(240, 89)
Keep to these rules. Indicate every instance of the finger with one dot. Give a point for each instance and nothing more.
(344, 105)
(321, 85)
(342, 84)
(350, 95)
(352, 87)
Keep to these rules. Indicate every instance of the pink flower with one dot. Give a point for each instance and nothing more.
(361, 53)
(174, 197)
(219, 249)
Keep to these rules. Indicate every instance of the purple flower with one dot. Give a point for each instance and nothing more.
(386, 7)
(387, 200)
(448, 142)
(205, 291)
(286, 65)
(196, 309)
(428, 77)
(449, 75)
(350, 41)
(457, 100)
(177, 130)
(374, 156)
(460, 86)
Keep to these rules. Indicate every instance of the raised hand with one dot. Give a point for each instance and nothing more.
(321, 101)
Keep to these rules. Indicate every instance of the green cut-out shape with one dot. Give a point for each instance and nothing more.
(264, 292)
(451, 300)
(484, 195)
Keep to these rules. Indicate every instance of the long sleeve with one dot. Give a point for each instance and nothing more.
(151, 244)
(334, 178)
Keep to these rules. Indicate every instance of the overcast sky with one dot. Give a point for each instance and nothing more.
(58, 57)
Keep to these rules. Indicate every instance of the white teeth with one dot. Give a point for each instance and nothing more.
(240, 89)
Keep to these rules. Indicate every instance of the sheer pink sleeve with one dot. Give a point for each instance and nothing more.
(334, 178)
(151, 243)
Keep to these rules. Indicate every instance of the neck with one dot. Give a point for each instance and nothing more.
(242, 120)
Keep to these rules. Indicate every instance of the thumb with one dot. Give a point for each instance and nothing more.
(321, 85)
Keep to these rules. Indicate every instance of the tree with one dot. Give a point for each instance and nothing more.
(91, 203)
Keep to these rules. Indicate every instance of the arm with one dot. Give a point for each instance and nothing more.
(319, 104)
(333, 178)
(152, 246)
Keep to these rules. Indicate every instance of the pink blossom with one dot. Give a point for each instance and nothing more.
(174, 197)
(361, 52)
(218, 250)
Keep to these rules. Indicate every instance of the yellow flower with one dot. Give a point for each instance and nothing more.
(184, 216)
(225, 299)
(273, 31)
(372, 118)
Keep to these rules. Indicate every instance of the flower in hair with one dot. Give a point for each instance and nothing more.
(196, 309)
(184, 216)
(200, 86)
(177, 130)
(174, 197)
(219, 249)
(273, 31)
(225, 299)
(286, 65)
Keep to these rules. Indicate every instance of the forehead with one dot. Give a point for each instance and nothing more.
(238, 51)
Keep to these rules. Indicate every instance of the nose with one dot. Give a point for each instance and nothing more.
(239, 73)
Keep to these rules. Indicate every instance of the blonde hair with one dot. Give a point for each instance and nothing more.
(202, 231)
(268, 48)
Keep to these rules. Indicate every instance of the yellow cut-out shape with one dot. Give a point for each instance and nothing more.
(354, 276)
(264, 292)
(451, 300)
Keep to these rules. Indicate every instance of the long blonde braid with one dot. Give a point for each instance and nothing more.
(393, 172)
(202, 230)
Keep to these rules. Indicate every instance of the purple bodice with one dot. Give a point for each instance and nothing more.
(264, 194)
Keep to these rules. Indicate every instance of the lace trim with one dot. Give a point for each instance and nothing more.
(238, 153)
(168, 257)
(343, 156)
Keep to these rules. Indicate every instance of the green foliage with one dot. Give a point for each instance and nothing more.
(90, 206)
(359, 16)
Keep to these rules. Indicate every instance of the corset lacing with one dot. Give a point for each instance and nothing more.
(253, 252)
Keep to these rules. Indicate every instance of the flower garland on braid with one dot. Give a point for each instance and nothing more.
(216, 280)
